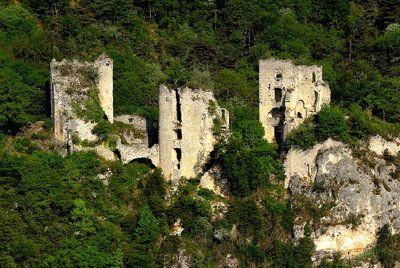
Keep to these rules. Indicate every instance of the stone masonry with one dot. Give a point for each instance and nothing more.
(72, 84)
(288, 95)
(187, 119)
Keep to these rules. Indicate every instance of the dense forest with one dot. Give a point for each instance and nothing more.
(55, 212)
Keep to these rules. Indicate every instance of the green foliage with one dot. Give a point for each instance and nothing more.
(24, 145)
(303, 136)
(154, 192)
(347, 125)
(286, 255)
(386, 247)
(205, 44)
(190, 209)
(247, 160)
(82, 217)
(91, 109)
(147, 233)
(247, 215)
(102, 130)
(330, 123)
(22, 99)
(201, 79)
(17, 21)
(3, 141)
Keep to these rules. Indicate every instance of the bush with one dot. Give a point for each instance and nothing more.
(247, 216)
(303, 136)
(24, 145)
(102, 130)
(360, 122)
(330, 123)
(387, 247)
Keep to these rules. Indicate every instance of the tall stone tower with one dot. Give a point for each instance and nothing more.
(186, 130)
(288, 95)
(104, 65)
(75, 84)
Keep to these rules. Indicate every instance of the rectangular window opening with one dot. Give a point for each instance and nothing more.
(178, 107)
(278, 94)
(178, 134)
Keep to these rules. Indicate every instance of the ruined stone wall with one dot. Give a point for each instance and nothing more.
(104, 65)
(186, 130)
(167, 132)
(73, 84)
(186, 120)
(134, 142)
(69, 87)
(288, 95)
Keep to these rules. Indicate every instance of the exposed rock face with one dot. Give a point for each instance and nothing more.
(213, 181)
(355, 195)
(378, 145)
(186, 130)
(288, 95)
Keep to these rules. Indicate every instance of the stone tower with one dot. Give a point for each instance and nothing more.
(186, 130)
(73, 84)
(289, 94)
(104, 65)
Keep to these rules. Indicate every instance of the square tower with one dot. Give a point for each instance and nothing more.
(288, 95)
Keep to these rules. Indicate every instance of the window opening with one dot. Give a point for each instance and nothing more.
(278, 94)
(178, 107)
(178, 157)
(178, 134)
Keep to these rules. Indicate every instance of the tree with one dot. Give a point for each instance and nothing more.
(147, 235)
(331, 124)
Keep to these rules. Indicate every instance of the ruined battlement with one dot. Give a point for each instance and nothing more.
(81, 95)
(288, 95)
(186, 130)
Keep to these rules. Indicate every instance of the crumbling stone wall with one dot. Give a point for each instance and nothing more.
(186, 130)
(80, 91)
(104, 65)
(189, 120)
(288, 95)
(136, 141)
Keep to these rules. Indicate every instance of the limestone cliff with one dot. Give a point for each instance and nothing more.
(352, 192)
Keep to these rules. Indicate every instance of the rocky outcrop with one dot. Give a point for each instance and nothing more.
(352, 193)
(379, 145)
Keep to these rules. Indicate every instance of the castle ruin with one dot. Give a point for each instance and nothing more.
(76, 88)
(189, 120)
(288, 95)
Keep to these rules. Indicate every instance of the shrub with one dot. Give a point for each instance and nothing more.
(387, 247)
(102, 130)
(247, 216)
(24, 145)
(38, 136)
(331, 124)
(360, 122)
(303, 136)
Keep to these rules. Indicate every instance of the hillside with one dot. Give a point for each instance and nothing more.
(277, 205)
